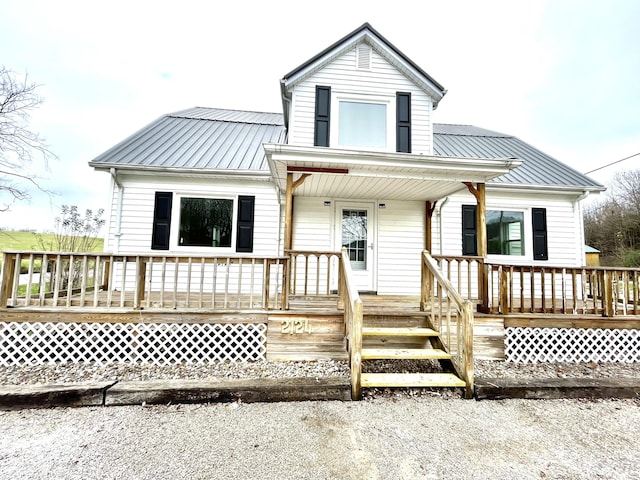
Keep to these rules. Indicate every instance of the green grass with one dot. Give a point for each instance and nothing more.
(22, 241)
(25, 241)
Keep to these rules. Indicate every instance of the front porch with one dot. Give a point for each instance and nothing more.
(196, 309)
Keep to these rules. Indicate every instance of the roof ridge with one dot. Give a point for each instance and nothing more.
(474, 131)
(189, 113)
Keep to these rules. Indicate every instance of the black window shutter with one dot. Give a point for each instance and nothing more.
(469, 230)
(244, 237)
(403, 122)
(323, 114)
(161, 221)
(539, 220)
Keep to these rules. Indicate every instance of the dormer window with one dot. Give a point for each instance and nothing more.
(362, 124)
(362, 121)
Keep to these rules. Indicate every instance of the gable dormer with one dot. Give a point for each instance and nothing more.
(361, 93)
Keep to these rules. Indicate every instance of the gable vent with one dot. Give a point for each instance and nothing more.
(363, 57)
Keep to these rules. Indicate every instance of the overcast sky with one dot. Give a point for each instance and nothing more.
(561, 75)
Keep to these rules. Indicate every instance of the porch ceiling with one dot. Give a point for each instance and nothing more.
(339, 173)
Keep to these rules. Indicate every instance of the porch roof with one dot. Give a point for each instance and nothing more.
(345, 173)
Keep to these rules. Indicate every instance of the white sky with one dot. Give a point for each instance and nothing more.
(562, 75)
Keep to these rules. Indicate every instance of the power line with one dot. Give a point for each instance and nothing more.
(612, 163)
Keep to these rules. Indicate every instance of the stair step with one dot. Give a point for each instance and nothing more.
(411, 380)
(404, 353)
(399, 331)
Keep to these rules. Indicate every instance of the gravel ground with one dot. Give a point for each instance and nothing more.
(379, 438)
(392, 434)
(65, 373)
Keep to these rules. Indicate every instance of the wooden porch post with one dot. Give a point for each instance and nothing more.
(288, 217)
(428, 241)
(479, 193)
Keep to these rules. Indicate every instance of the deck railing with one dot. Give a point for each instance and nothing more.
(563, 290)
(142, 281)
(313, 273)
(452, 316)
(465, 274)
(353, 308)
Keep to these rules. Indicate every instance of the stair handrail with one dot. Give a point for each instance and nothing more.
(352, 303)
(436, 289)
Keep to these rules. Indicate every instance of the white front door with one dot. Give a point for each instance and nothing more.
(356, 232)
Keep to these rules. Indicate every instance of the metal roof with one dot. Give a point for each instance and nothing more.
(212, 139)
(537, 169)
(204, 139)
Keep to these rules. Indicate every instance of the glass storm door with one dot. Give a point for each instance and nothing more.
(356, 235)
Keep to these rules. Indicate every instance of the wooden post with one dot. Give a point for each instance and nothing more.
(8, 272)
(355, 347)
(141, 276)
(609, 308)
(479, 192)
(504, 291)
(467, 360)
(288, 216)
(428, 241)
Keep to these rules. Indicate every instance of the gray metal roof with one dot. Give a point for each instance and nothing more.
(537, 168)
(198, 138)
(212, 139)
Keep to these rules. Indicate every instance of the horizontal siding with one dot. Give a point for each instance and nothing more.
(138, 203)
(382, 80)
(400, 243)
(313, 225)
(564, 234)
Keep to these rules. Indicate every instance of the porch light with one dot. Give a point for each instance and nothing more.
(327, 203)
(382, 205)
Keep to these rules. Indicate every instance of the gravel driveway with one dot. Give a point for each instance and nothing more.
(387, 437)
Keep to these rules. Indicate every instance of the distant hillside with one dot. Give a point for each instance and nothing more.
(25, 241)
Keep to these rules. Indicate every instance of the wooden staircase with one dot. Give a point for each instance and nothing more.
(388, 334)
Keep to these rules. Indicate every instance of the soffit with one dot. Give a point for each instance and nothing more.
(368, 175)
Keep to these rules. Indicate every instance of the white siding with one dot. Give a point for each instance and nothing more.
(383, 80)
(401, 237)
(138, 203)
(564, 234)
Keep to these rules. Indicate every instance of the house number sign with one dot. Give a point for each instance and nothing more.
(295, 326)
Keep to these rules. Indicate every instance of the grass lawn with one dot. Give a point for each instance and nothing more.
(26, 241)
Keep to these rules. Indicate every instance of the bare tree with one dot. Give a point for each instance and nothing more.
(613, 225)
(19, 145)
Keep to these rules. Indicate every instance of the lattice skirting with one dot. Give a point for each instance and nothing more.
(148, 343)
(534, 345)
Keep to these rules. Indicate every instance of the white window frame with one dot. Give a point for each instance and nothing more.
(388, 101)
(175, 223)
(527, 232)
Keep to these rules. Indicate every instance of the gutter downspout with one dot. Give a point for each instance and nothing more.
(118, 233)
(442, 204)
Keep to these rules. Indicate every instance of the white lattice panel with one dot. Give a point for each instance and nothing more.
(149, 343)
(534, 345)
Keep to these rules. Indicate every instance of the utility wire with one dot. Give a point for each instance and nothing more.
(612, 163)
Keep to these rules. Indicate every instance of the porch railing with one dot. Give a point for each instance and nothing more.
(313, 273)
(465, 274)
(353, 314)
(451, 315)
(140, 281)
(563, 290)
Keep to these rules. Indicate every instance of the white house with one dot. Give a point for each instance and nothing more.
(355, 160)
